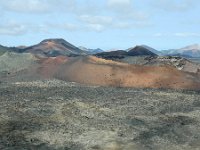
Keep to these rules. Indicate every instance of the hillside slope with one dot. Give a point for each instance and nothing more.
(96, 71)
(14, 62)
(54, 47)
(140, 51)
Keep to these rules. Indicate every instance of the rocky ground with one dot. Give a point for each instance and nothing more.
(53, 114)
(197, 60)
(188, 65)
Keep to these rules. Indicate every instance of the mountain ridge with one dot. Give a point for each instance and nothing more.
(54, 47)
(91, 51)
(187, 51)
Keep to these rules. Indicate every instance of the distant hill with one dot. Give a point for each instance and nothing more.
(118, 54)
(10, 49)
(3, 49)
(140, 51)
(188, 51)
(91, 51)
(146, 47)
(54, 47)
(152, 49)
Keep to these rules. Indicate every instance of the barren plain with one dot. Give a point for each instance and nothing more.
(54, 114)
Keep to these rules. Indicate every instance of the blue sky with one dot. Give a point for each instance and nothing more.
(106, 24)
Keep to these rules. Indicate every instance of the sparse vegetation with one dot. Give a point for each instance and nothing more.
(2, 52)
(59, 115)
(14, 62)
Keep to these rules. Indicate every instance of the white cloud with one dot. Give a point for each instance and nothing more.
(178, 34)
(174, 5)
(158, 35)
(100, 23)
(96, 19)
(96, 23)
(25, 6)
(87, 14)
(121, 7)
(96, 27)
(64, 26)
(119, 4)
(129, 25)
(16, 29)
(123, 25)
(126, 10)
(37, 6)
(187, 34)
(12, 29)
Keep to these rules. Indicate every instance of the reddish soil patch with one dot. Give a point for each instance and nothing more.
(50, 65)
(97, 71)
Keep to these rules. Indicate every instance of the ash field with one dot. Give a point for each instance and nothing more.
(53, 114)
(58, 100)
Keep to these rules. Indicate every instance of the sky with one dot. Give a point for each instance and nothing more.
(106, 24)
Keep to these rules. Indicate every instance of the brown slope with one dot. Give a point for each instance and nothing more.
(49, 66)
(97, 71)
